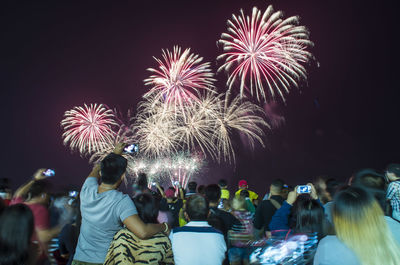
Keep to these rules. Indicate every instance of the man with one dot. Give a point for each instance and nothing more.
(35, 195)
(104, 209)
(192, 186)
(197, 242)
(223, 220)
(393, 191)
(252, 195)
(225, 194)
(267, 208)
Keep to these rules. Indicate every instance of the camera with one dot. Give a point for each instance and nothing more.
(131, 149)
(303, 189)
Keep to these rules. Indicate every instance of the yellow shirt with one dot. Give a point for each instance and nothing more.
(252, 195)
(225, 194)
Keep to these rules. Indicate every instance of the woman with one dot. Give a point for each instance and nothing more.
(126, 248)
(16, 230)
(362, 234)
(300, 213)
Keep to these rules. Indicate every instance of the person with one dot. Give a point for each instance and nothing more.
(223, 220)
(252, 195)
(249, 205)
(200, 189)
(16, 231)
(5, 191)
(127, 248)
(104, 209)
(241, 235)
(192, 186)
(393, 192)
(225, 194)
(362, 235)
(68, 237)
(173, 204)
(332, 186)
(197, 243)
(300, 213)
(35, 195)
(267, 208)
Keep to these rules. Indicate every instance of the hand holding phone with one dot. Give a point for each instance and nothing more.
(49, 172)
(303, 189)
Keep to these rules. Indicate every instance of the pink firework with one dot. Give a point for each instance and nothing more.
(265, 50)
(179, 78)
(88, 129)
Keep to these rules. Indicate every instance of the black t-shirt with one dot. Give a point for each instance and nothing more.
(173, 208)
(67, 240)
(222, 220)
(265, 211)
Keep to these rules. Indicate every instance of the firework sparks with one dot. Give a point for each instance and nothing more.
(179, 77)
(88, 129)
(265, 48)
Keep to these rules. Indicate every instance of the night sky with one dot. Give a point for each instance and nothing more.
(56, 55)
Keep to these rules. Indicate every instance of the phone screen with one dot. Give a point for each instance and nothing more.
(131, 149)
(303, 189)
(49, 172)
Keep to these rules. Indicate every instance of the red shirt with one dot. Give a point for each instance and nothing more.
(40, 213)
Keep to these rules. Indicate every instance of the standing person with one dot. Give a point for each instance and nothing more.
(35, 195)
(16, 231)
(362, 234)
(197, 243)
(267, 208)
(104, 209)
(127, 248)
(225, 194)
(252, 195)
(393, 191)
(192, 186)
(173, 204)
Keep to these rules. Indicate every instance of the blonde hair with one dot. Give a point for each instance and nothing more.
(361, 226)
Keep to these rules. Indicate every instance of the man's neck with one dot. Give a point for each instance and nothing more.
(106, 187)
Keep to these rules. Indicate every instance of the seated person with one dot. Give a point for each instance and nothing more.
(127, 248)
(197, 242)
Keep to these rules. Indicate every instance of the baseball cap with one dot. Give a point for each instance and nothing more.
(242, 183)
(169, 193)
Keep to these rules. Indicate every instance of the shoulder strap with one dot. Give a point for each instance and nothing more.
(276, 204)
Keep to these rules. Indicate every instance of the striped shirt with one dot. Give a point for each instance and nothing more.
(393, 194)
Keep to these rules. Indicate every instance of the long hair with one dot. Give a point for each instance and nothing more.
(361, 226)
(147, 208)
(16, 228)
(308, 216)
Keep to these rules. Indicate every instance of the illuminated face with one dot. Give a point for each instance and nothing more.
(391, 176)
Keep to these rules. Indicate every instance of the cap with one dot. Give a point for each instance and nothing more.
(242, 183)
(169, 193)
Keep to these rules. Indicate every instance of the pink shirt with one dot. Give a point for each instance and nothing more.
(40, 213)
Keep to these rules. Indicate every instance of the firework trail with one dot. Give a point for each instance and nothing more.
(88, 129)
(179, 77)
(265, 51)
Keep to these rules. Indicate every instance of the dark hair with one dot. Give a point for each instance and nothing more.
(39, 187)
(201, 189)
(112, 168)
(142, 181)
(278, 184)
(213, 193)
(332, 186)
(244, 194)
(147, 208)
(192, 186)
(197, 208)
(222, 183)
(394, 168)
(16, 229)
(308, 216)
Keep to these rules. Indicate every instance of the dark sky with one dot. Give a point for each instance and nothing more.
(59, 54)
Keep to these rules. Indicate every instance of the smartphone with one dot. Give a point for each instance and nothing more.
(49, 172)
(131, 149)
(73, 193)
(303, 189)
(153, 184)
(176, 183)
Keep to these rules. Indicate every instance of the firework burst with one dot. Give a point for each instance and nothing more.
(265, 50)
(179, 77)
(88, 129)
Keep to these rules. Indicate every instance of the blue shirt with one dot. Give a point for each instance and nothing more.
(197, 243)
(102, 216)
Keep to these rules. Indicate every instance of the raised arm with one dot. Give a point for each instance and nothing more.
(23, 190)
(142, 230)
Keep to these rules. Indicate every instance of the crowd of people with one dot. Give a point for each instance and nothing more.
(357, 222)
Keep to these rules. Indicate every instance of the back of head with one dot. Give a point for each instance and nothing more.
(277, 186)
(331, 186)
(360, 224)
(113, 167)
(373, 183)
(309, 216)
(222, 183)
(16, 229)
(142, 181)
(147, 208)
(213, 193)
(197, 208)
(201, 189)
(244, 194)
(39, 187)
(192, 186)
